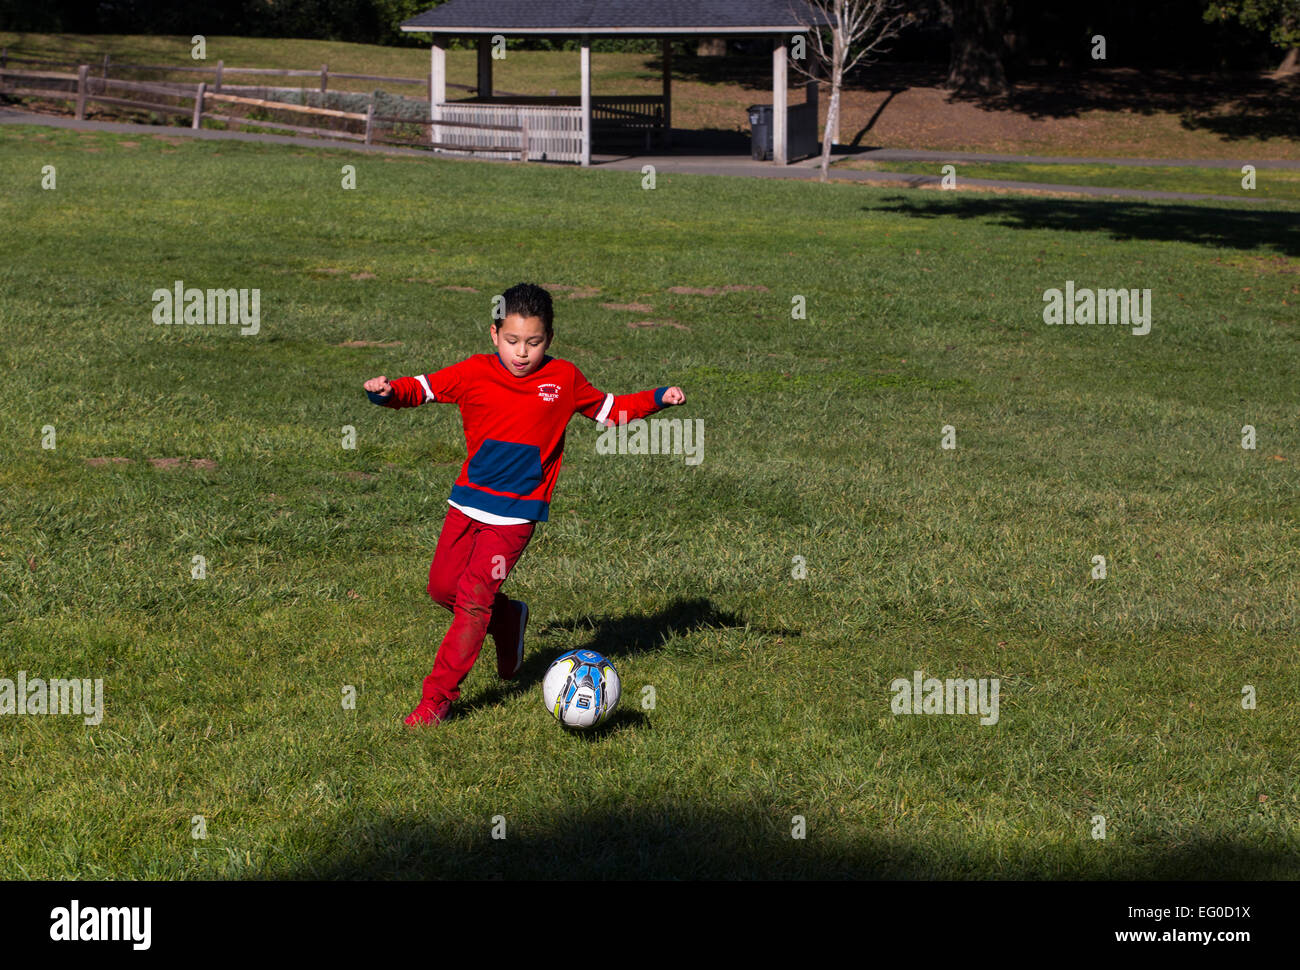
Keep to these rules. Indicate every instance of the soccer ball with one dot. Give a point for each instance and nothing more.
(581, 689)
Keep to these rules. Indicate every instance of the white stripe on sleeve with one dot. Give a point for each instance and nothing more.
(424, 383)
(605, 409)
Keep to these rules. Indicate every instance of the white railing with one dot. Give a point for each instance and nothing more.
(554, 131)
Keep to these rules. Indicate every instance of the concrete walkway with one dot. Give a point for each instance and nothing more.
(695, 161)
(907, 155)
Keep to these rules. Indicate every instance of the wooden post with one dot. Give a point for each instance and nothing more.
(523, 123)
(104, 72)
(484, 67)
(220, 66)
(586, 100)
(197, 120)
(668, 92)
(778, 100)
(370, 119)
(437, 85)
(82, 72)
(324, 77)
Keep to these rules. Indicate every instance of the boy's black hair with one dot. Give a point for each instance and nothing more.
(530, 300)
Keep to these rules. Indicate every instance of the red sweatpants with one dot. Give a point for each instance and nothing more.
(469, 565)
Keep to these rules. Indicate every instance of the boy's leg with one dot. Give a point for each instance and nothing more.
(455, 543)
(496, 549)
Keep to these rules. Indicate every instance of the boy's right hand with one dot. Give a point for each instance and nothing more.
(379, 385)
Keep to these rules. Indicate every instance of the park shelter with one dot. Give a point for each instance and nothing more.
(561, 128)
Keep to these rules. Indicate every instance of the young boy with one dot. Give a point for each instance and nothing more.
(514, 406)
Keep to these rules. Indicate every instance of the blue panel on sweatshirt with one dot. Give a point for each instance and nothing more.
(519, 508)
(506, 466)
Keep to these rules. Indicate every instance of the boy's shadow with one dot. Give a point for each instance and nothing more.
(614, 637)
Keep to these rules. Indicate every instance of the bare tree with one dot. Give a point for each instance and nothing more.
(860, 31)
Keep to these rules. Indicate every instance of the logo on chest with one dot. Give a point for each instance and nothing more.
(548, 392)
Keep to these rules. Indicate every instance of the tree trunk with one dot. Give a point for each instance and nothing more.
(977, 46)
(1290, 64)
(838, 56)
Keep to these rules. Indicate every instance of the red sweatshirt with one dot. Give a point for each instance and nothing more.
(514, 427)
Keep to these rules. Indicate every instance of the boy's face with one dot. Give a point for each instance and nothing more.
(521, 343)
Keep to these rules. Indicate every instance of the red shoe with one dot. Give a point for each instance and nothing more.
(429, 712)
(510, 642)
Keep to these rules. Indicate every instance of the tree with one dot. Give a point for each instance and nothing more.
(860, 31)
(1280, 18)
(976, 65)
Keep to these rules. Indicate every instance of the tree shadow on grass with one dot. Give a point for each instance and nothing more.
(1221, 228)
(1234, 105)
(614, 637)
(662, 839)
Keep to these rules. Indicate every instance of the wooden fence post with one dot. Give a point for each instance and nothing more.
(82, 71)
(523, 155)
(220, 65)
(370, 118)
(197, 121)
(104, 73)
(324, 77)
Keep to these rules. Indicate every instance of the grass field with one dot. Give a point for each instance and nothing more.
(1121, 697)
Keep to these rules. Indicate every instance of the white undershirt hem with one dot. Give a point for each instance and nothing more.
(487, 518)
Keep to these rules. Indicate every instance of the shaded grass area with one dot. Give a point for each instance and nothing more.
(1120, 697)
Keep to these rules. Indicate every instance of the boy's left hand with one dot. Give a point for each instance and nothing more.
(674, 395)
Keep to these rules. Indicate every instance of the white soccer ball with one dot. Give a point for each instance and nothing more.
(581, 689)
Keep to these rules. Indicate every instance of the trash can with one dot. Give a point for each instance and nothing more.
(760, 130)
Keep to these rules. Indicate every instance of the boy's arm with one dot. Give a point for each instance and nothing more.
(615, 409)
(410, 392)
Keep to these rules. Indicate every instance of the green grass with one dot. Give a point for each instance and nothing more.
(1120, 697)
(1274, 184)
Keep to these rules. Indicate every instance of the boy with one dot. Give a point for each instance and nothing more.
(514, 406)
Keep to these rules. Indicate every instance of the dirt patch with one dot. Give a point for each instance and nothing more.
(461, 289)
(129, 144)
(634, 307)
(652, 324)
(715, 290)
(575, 292)
(369, 343)
(357, 276)
(327, 270)
(203, 464)
(964, 187)
(1261, 264)
(97, 462)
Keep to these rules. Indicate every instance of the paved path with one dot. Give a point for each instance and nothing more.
(907, 155)
(736, 165)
